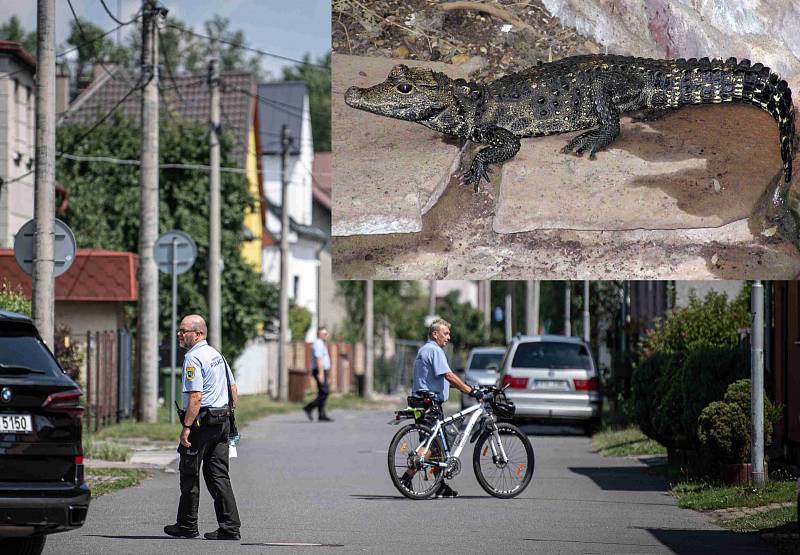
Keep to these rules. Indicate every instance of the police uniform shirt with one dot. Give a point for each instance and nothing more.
(204, 370)
(318, 349)
(430, 366)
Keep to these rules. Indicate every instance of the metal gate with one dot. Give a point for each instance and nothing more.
(109, 378)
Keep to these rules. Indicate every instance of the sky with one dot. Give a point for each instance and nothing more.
(286, 27)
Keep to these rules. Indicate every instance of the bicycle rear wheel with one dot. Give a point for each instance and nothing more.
(503, 479)
(409, 479)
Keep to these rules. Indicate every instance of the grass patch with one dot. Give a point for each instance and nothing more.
(773, 518)
(628, 442)
(106, 480)
(706, 496)
(106, 450)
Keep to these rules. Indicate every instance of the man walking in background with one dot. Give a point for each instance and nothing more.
(320, 361)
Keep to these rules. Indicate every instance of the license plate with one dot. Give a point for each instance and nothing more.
(550, 384)
(16, 423)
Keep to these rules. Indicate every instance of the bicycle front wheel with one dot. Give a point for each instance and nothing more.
(408, 476)
(503, 476)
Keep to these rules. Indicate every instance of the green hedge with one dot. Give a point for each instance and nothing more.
(688, 361)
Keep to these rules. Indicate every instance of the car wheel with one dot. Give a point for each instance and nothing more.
(591, 427)
(32, 545)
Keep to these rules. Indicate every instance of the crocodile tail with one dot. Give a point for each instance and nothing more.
(707, 81)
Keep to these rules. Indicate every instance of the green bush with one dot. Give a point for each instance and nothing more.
(724, 426)
(299, 322)
(688, 360)
(12, 299)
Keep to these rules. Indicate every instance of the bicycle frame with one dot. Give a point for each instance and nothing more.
(438, 430)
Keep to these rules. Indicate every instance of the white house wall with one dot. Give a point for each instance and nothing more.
(17, 105)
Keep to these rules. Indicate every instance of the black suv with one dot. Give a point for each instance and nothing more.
(42, 489)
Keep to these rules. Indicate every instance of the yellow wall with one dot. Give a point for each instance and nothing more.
(251, 250)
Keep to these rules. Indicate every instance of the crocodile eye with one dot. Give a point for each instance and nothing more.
(404, 88)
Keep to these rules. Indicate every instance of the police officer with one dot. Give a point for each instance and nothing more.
(204, 437)
(320, 360)
(432, 374)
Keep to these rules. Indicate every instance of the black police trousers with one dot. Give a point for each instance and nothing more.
(322, 392)
(209, 449)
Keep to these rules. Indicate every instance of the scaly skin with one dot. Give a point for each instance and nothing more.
(579, 92)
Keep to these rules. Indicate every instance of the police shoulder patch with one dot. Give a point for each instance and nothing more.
(190, 372)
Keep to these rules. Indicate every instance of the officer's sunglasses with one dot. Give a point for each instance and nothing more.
(182, 331)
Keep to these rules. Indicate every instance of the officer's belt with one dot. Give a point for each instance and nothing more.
(213, 415)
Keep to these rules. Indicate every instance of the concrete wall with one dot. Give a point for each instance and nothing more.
(83, 317)
(683, 289)
(256, 368)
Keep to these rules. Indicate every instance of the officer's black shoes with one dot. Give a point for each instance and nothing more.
(324, 418)
(220, 534)
(445, 491)
(308, 411)
(180, 532)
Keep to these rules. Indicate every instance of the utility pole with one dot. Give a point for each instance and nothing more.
(567, 309)
(214, 237)
(537, 293)
(147, 321)
(487, 308)
(369, 336)
(431, 298)
(283, 369)
(532, 288)
(44, 203)
(587, 331)
(757, 386)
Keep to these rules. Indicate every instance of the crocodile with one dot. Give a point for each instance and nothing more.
(571, 94)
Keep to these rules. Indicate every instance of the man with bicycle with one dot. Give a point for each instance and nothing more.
(432, 374)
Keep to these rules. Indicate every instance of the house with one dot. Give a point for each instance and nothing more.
(17, 125)
(187, 97)
(286, 104)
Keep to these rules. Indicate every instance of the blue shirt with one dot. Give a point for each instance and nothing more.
(204, 370)
(318, 349)
(430, 366)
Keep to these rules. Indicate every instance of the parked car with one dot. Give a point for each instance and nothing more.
(42, 488)
(553, 378)
(483, 364)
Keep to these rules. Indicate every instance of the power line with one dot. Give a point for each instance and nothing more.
(169, 68)
(164, 166)
(83, 34)
(269, 102)
(251, 49)
(112, 16)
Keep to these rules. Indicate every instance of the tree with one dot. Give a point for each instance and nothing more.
(103, 212)
(93, 47)
(318, 82)
(12, 30)
(399, 309)
(467, 322)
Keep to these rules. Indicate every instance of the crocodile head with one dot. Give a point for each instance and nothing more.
(412, 94)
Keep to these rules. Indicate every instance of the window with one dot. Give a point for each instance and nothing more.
(552, 355)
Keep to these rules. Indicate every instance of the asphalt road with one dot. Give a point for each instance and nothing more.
(298, 482)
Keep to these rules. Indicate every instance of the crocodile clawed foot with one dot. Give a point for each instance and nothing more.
(474, 174)
(585, 142)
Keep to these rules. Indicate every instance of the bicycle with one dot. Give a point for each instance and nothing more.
(503, 459)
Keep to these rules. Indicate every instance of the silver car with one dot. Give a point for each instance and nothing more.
(482, 368)
(552, 377)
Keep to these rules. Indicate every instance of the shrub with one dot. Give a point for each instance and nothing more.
(299, 321)
(69, 355)
(724, 426)
(12, 299)
(688, 360)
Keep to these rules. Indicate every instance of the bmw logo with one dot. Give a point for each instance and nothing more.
(6, 395)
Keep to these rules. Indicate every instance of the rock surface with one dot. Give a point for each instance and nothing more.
(384, 170)
(701, 167)
(764, 32)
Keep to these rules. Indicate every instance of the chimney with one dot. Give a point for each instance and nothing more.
(62, 88)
